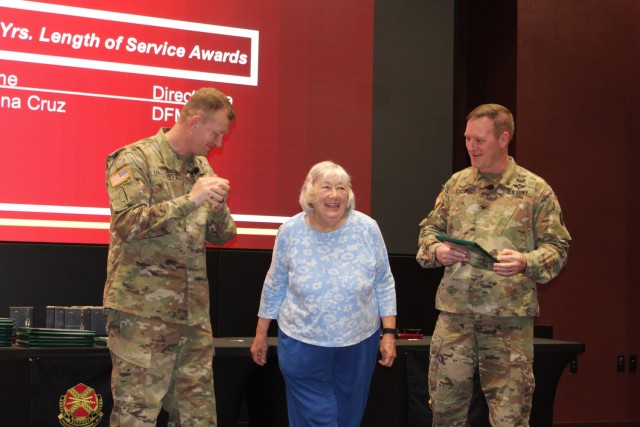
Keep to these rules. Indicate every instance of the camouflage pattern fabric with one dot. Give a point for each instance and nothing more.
(156, 265)
(502, 348)
(486, 320)
(156, 269)
(159, 364)
(519, 212)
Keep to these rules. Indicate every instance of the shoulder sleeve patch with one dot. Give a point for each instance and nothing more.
(119, 177)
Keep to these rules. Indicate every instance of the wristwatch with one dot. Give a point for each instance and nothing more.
(394, 331)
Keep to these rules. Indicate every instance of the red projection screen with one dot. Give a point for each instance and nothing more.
(79, 79)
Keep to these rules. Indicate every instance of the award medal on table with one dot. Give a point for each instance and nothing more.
(81, 406)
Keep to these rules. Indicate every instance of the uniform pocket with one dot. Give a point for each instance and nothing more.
(127, 339)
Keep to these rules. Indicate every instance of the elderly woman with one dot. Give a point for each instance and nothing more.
(330, 288)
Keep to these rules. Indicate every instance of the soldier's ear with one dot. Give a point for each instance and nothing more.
(194, 121)
(503, 139)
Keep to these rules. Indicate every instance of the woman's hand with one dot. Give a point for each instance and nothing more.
(387, 350)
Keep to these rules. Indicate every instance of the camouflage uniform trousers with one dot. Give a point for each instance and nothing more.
(160, 365)
(501, 348)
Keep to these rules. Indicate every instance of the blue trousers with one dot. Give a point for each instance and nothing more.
(326, 386)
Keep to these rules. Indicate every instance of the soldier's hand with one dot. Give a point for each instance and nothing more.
(511, 263)
(448, 254)
(212, 188)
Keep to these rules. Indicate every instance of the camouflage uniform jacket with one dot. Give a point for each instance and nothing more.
(156, 264)
(518, 212)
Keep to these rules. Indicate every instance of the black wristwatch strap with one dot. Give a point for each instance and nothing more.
(393, 331)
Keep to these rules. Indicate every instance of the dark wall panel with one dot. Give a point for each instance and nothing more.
(486, 62)
(47, 274)
(238, 290)
(578, 105)
(412, 114)
(415, 291)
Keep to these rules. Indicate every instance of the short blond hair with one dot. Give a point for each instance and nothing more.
(205, 101)
(500, 116)
(320, 172)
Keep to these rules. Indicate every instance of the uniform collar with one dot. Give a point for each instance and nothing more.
(476, 179)
(173, 160)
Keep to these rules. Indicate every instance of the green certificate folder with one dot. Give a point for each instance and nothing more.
(478, 256)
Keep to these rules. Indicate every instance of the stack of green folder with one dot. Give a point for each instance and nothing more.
(49, 337)
(6, 332)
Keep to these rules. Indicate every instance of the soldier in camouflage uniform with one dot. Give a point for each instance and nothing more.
(486, 308)
(166, 203)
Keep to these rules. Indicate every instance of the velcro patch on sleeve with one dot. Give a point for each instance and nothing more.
(119, 177)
